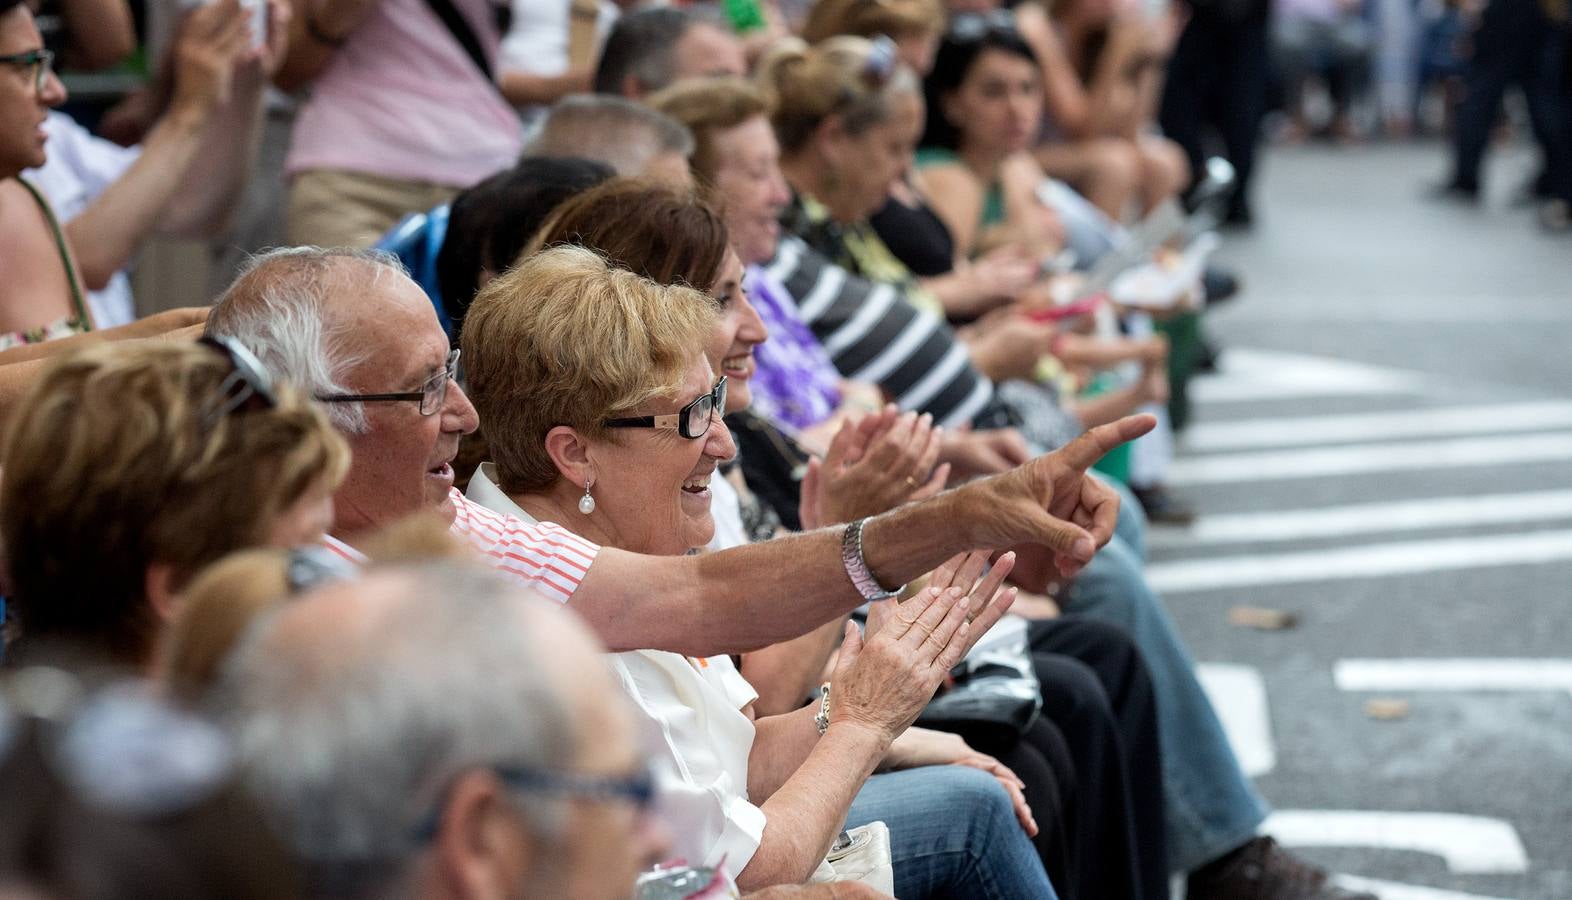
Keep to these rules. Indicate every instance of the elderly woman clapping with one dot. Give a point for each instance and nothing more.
(603, 416)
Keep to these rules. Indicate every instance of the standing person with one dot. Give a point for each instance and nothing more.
(403, 113)
(1514, 45)
(1216, 91)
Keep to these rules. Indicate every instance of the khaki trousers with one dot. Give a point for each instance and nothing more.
(333, 208)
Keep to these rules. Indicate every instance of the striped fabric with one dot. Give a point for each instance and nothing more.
(873, 333)
(545, 556)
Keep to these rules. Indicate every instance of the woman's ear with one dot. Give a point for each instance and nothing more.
(570, 453)
(158, 584)
(829, 140)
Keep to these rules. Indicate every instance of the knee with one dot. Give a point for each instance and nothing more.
(975, 793)
(1073, 694)
(1116, 163)
(1167, 169)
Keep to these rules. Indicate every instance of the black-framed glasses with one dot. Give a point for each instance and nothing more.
(248, 387)
(42, 62)
(637, 789)
(432, 394)
(692, 421)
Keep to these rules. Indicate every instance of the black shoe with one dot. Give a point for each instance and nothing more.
(1452, 192)
(1163, 508)
(1263, 870)
(1206, 358)
(1240, 217)
(1218, 285)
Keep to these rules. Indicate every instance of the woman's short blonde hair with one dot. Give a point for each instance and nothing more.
(709, 106)
(565, 338)
(870, 18)
(115, 462)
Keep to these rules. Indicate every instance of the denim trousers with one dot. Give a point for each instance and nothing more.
(1211, 805)
(953, 833)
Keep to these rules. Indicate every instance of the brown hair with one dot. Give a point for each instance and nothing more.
(810, 84)
(114, 463)
(565, 338)
(667, 235)
(706, 106)
(869, 18)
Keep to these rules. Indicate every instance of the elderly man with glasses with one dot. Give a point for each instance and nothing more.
(352, 329)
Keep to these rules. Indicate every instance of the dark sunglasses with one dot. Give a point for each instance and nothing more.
(247, 388)
(692, 421)
(432, 394)
(41, 61)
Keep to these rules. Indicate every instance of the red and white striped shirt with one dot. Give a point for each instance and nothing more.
(543, 555)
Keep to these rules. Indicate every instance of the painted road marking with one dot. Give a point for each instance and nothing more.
(1469, 844)
(1453, 675)
(1239, 696)
(1356, 459)
(1206, 437)
(1392, 890)
(1368, 518)
(1247, 375)
(1360, 562)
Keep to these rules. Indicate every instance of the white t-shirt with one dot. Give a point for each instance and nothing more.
(699, 739)
(79, 168)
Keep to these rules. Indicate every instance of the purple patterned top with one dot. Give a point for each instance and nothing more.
(795, 383)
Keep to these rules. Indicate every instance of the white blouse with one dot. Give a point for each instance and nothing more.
(698, 739)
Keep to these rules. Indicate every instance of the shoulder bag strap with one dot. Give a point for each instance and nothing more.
(458, 26)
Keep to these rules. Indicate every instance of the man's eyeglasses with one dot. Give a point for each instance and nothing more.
(432, 394)
(637, 789)
(692, 421)
(249, 387)
(42, 62)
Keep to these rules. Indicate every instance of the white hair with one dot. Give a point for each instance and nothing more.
(350, 740)
(277, 307)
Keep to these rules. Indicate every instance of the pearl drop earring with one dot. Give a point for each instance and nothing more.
(586, 502)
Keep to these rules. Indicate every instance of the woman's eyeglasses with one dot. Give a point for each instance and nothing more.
(692, 421)
(248, 387)
(41, 61)
(432, 394)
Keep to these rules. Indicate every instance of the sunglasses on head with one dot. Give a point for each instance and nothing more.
(248, 387)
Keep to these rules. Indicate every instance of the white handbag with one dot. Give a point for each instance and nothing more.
(860, 854)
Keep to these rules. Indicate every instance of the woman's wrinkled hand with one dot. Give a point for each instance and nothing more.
(874, 463)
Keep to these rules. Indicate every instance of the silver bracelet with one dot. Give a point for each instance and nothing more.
(822, 720)
(857, 566)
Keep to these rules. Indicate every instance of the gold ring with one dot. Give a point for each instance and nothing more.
(911, 481)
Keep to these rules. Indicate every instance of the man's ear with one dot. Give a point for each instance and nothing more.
(158, 586)
(570, 453)
(481, 850)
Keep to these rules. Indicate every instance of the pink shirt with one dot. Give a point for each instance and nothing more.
(402, 100)
(543, 555)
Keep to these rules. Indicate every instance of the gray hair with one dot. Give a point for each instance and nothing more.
(614, 130)
(643, 44)
(277, 308)
(350, 741)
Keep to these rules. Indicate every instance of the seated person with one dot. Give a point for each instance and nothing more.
(1082, 755)
(130, 467)
(496, 718)
(651, 48)
(49, 266)
(630, 137)
(602, 356)
(914, 25)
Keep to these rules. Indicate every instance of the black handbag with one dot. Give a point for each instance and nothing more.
(994, 685)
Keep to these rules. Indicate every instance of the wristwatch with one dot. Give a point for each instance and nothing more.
(822, 720)
(857, 567)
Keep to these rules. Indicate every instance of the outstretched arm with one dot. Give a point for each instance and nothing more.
(748, 597)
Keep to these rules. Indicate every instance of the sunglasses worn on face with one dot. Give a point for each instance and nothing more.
(692, 421)
(41, 61)
(432, 394)
(249, 387)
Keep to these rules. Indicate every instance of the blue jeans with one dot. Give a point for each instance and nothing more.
(1211, 806)
(953, 833)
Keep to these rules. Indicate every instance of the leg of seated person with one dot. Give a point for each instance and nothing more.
(953, 834)
(1041, 757)
(1108, 656)
(1107, 171)
(1212, 807)
(354, 209)
(1164, 170)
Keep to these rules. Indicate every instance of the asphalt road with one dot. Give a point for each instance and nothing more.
(1388, 455)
